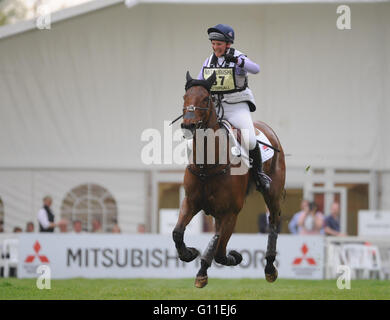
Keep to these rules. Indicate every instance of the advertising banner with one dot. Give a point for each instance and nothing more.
(374, 223)
(154, 256)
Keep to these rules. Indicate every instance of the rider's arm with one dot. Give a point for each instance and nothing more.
(200, 75)
(249, 65)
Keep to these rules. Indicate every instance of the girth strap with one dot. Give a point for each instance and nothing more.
(203, 175)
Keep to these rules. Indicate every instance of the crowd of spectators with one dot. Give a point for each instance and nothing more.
(46, 223)
(308, 221)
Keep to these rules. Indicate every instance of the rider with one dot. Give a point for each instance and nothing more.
(231, 89)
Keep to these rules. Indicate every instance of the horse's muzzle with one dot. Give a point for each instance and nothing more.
(189, 126)
(188, 130)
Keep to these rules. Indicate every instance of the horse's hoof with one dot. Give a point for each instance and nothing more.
(201, 281)
(271, 277)
(190, 255)
(236, 256)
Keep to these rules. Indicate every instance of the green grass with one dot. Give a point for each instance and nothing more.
(183, 289)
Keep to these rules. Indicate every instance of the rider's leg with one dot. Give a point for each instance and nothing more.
(238, 114)
(262, 181)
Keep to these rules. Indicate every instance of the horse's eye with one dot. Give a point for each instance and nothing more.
(205, 100)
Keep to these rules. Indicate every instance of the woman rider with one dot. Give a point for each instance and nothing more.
(231, 89)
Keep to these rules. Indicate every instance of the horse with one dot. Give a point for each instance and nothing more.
(213, 189)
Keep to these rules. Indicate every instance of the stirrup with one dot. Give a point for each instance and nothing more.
(267, 178)
(263, 182)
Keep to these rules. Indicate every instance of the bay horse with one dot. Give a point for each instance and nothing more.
(212, 188)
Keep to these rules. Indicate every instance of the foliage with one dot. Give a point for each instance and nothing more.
(12, 11)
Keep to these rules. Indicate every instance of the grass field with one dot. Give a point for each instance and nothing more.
(183, 289)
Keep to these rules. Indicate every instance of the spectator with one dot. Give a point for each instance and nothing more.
(30, 226)
(311, 221)
(263, 222)
(46, 217)
(293, 224)
(141, 228)
(116, 229)
(96, 226)
(63, 227)
(77, 226)
(17, 230)
(332, 222)
(1, 226)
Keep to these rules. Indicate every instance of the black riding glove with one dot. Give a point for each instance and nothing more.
(230, 58)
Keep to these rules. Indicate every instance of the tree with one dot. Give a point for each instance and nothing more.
(12, 11)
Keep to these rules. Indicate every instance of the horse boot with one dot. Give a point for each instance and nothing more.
(262, 180)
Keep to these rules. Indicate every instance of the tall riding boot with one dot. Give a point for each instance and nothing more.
(262, 180)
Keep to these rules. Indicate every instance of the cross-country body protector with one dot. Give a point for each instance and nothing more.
(233, 86)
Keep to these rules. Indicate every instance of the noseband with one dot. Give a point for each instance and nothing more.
(190, 114)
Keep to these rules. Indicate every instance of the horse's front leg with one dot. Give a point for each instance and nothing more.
(186, 214)
(226, 228)
(205, 262)
(216, 249)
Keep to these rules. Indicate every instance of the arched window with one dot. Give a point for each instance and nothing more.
(90, 202)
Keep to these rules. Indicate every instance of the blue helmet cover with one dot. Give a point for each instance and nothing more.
(225, 29)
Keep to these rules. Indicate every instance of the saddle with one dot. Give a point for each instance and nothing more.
(240, 151)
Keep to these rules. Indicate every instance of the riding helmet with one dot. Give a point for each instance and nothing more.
(221, 32)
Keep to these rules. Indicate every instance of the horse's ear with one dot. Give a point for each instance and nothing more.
(188, 77)
(210, 80)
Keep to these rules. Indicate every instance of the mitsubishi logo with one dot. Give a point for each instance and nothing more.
(37, 248)
(304, 250)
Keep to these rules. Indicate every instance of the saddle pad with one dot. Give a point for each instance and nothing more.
(266, 152)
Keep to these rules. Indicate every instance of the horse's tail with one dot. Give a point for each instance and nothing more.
(284, 194)
(251, 185)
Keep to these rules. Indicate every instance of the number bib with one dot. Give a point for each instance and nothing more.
(225, 81)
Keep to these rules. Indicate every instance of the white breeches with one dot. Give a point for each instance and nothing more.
(239, 115)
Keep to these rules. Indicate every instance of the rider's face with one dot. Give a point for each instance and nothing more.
(219, 47)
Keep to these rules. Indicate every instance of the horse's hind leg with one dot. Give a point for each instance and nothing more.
(186, 214)
(273, 203)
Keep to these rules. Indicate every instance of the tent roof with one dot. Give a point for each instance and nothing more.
(24, 26)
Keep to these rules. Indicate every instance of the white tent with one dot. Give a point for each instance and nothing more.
(76, 98)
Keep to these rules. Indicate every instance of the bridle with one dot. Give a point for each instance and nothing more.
(201, 170)
(190, 110)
